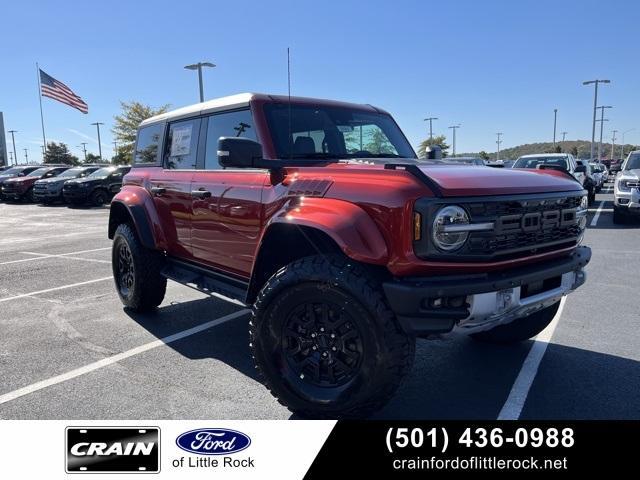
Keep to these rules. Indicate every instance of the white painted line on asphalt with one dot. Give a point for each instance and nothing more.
(54, 289)
(34, 387)
(512, 408)
(40, 256)
(66, 255)
(594, 220)
(46, 237)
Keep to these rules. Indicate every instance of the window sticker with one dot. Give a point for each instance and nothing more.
(181, 141)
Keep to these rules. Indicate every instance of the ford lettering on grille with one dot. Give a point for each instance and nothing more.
(535, 221)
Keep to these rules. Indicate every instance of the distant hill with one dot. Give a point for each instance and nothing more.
(583, 148)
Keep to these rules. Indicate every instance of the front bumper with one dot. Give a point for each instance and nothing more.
(627, 202)
(40, 195)
(479, 302)
(76, 195)
(12, 193)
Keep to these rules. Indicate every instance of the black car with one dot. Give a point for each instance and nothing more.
(97, 188)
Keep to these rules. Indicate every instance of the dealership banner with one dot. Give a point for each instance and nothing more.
(312, 449)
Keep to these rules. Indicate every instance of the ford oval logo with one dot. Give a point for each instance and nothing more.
(213, 441)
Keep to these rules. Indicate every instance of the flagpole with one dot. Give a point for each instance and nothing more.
(44, 139)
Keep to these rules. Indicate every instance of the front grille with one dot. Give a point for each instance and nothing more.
(553, 225)
(40, 188)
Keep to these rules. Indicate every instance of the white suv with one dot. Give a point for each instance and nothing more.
(626, 192)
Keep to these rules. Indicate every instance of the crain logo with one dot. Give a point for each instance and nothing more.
(113, 450)
(213, 441)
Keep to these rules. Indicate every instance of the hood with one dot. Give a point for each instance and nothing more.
(6, 177)
(85, 180)
(472, 180)
(52, 180)
(635, 173)
(21, 179)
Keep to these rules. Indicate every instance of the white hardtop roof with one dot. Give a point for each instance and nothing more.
(222, 103)
(241, 100)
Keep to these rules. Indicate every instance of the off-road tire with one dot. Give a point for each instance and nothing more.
(591, 196)
(521, 329)
(142, 288)
(386, 353)
(98, 198)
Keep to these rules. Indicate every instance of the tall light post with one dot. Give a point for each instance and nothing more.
(498, 141)
(97, 124)
(83, 145)
(595, 103)
(602, 120)
(564, 134)
(555, 119)
(430, 120)
(26, 155)
(623, 144)
(13, 141)
(10, 158)
(613, 143)
(454, 128)
(198, 66)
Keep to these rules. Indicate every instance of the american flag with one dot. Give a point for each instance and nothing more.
(57, 90)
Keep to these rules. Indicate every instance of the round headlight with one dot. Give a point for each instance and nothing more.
(445, 235)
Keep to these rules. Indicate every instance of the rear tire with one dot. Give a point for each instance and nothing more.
(98, 198)
(28, 196)
(137, 271)
(521, 329)
(324, 341)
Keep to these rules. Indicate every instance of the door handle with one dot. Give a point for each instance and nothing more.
(158, 190)
(201, 193)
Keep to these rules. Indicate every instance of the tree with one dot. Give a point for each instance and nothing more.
(439, 140)
(126, 125)
(121, 158)
(93, 158)
(59, 153)
(484, 155)
(574, 151)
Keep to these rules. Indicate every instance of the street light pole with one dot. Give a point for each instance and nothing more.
(430, 120)
(97, 124)
(115, 148)
(555, 118)
(499, 134)
(602, 120)
(10, 158)
(454, 128)
(84, 149)
(26, 155)
(564, 134)
(13, 140)
(613, 143)
(623, 144)
(198, 66)
(595, 103)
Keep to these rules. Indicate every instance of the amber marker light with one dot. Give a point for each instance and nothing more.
(417, 226)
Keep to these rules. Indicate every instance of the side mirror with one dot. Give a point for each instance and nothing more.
(580, 169)
(238, 152)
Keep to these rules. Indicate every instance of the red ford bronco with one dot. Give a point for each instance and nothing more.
(347, 247)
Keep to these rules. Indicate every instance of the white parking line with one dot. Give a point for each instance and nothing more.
(41, 256)
(34, 387)
(512, 408)
(596, 216)
(54, 289)
(66, 255)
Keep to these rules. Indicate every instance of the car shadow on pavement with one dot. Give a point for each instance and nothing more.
(227, 342)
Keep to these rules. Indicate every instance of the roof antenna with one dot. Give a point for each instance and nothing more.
(289, 94)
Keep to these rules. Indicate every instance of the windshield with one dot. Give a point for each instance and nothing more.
(466, 161)
(12, 171)
(102, 172)
(633, 162)
(533, 162)
(320, 131)
(39, 172)
(71, 173)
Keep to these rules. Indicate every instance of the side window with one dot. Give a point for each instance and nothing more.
(148, 144)
(181, 146)
(228, 124)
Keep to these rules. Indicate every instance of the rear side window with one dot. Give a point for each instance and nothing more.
(148, 144)
(229, 124)
(181, 147)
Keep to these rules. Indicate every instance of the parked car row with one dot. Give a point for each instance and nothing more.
(93, 184)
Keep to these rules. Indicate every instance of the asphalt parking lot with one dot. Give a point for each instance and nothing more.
(69, 350)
